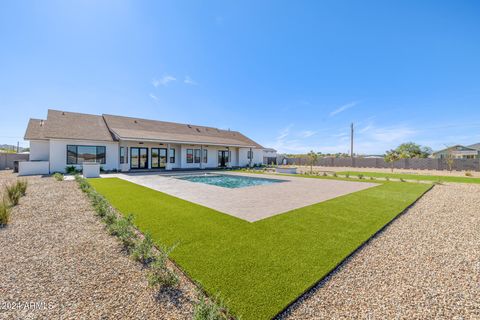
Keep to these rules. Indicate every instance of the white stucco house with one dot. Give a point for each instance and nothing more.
(132, 144)
(269, 156)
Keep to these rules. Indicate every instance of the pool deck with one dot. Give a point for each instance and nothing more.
(250, 203)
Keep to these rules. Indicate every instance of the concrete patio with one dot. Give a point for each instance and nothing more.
(250, 203)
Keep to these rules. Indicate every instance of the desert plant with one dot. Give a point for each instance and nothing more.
(123, 229)
(22, 186)
(387, 178)
(347, 175)
(160, 274)
(110, 218)
(58, 176)
(209, 310)
(468, 174)
(70, 169)
(392, 156)
(334, 174)
(13, 193)
(402, 180)
(324, 174)
(360, 176)
(4, 213)
(143, 249)
(312, 157)
(372, 178)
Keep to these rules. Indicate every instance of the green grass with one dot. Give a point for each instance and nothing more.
(259, 268)
(413, 176)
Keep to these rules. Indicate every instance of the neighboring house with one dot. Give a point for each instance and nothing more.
(128, 144)
(459, 152)
(269, 156)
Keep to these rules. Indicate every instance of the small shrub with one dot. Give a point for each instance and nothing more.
(468, 174)
(159, 274)
(84, 185)
(70, 170)
(143, 250)
(324, 174)
(209, 310)
(110, 218)
(360, 176)
(372, 178)
(387, 178)
(334, 174)
(347, 175)
(22, 186)
(402, 180)
(4, 213)
(58, 176)
(123, 229)
(13, 193)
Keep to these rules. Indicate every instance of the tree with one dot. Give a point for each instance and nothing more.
(450, 159)
(392, 156)
(410, 150)
(312, 156)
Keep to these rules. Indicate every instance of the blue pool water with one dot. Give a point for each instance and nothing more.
(230, 181)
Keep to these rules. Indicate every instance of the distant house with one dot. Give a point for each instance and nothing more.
(459, 152)
(269, 156)
(129, 144)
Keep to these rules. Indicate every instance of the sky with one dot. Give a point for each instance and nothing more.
(292, 75)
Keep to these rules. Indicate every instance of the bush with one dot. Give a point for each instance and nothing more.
(159, 274)
(387, 178)
(110, 218)
(334, 174)
(402, 180)
(4, 213)
(360, 176)
(372, 178)
(143, 250)
(324, 174)
(347, 175)
(58, 176)
(205, 310)
(468, 174)
(71, 170)
(123, 229)
(13, 193)
(22, 186)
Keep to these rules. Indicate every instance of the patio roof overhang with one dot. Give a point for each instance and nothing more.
(206, 143)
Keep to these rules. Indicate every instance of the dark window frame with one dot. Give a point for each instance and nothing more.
(205, 156)
(122, 156)
(103, 160)
(197, 156)
(172, 158)
(189, 151)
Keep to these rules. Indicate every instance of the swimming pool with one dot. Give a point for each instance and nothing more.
(230, 181)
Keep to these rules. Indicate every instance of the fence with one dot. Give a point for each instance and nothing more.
(416, 164)
(7, 159)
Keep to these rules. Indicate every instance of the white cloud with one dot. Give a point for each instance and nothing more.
(343, 108)
(189, 81)
(307, 133)
(154, 97)
(163, 81)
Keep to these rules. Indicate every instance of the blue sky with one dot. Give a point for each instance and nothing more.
(291, 75)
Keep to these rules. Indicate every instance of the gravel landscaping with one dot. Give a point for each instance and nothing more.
(424, 265)
(55, 252)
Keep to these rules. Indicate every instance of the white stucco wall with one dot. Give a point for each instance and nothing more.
(39, 150)
(58, 153)
(149, 145)
(257, 156)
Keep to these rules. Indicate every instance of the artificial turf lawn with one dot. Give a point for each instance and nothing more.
(413, 177)
(259, 268)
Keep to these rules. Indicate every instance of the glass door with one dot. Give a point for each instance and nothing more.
(138, 158)
(222, 158)
(159, 158)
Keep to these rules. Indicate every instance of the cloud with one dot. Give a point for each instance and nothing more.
(163, 81)
(154, 97)
(307, 133)
(343, 108)
(189, 81)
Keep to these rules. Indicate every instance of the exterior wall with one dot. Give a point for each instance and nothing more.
(212, 157)
(7, 159)
(39, 150)
(149, 145)
(58, 153)
(26, 168)
(243, 156)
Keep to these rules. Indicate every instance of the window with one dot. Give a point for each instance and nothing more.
(122, 155)
(250, 154)
(205, 155)
(189, 155)
(172, 155)
(81, 154)
(197, 155)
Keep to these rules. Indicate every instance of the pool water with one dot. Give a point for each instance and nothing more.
(230, 181)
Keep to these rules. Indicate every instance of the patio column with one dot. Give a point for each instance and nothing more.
(251, 158)
(201, 156)
(168, 165)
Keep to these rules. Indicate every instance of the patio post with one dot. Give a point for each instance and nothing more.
(168, 165)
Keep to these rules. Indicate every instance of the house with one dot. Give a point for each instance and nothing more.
(459, 152)
(269, 156)
(129, 144)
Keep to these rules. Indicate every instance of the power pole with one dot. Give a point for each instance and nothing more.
(351, 140)
(18, 146)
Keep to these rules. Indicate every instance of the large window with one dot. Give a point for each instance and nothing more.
(172, 155)
(189, 155)
(197, 155)
(81, 154)
(250, 155)
(205, 156)
(122, 155)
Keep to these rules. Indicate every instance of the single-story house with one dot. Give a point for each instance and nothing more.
(269, 156)
(459, 152)
(129, 144)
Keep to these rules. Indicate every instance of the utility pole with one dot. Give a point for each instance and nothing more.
(351, 140)
(18, 146)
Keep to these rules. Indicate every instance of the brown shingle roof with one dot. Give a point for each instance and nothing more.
(35, 130)
(72, 125)
(143, 129)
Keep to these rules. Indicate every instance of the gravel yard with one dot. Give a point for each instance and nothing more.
(56, 251)
(425, 265)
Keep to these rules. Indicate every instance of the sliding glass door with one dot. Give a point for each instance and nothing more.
(159, 158)
(138, 158)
